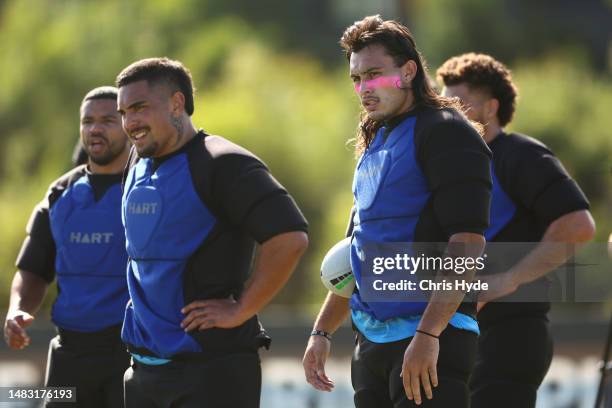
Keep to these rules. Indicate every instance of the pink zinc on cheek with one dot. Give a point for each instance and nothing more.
(377, 83)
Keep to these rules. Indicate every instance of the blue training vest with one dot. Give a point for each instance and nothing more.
(165, 222)
(90, 260)
(390, 193)
(502, 208)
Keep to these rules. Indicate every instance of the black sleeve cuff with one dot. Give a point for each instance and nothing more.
(274, 215)
(37, 254)
(36, 259)
(463, 207)
(560, 198)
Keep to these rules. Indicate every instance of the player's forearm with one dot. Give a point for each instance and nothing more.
(27, 292)
(275, 263)
(561, 240)
(334, 311)
(442, 306)
(444, 303)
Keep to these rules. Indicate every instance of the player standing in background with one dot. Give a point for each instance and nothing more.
(422, 176)
(534, 200)
(75, 236)
(194, 207)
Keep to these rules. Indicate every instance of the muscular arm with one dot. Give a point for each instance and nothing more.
(456, 164)
(335, 309)
(35, 271)
(577, 228)
(245, 195)
(277, 259)
(555, 200)
(333, 312)
(443, 304)
(420, 359)
(561, 239)
(27, 293)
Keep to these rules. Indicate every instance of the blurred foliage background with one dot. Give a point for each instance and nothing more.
(270, 76)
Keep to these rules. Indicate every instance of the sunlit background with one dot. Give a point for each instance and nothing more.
(271, 76)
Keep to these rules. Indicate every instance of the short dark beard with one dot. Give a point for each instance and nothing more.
(148, 151)
(103, 159)
(177, 123)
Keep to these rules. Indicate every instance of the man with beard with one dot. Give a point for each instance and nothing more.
(194, 207)
(75, 236)
(534, 201)
(422, 177)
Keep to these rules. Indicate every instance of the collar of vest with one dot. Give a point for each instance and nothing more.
(388, 137)
(396, 120)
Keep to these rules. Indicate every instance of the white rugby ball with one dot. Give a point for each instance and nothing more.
(336, 273)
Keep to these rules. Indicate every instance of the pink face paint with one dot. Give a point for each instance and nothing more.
(391, 81)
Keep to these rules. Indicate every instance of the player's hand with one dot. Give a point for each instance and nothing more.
(419, 367)
(14, 329)
(316, 354)
(206, 314)
(499, 285)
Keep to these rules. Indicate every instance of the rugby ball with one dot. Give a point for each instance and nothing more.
(336, 273)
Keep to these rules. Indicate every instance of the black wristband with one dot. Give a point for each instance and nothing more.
(321, 333)
(427, 334)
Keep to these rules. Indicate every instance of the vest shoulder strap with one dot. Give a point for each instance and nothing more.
(201, 165)
(57, 188)
(131, 162)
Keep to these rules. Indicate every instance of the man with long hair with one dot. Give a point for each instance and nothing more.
(534, 200)
(422, 177)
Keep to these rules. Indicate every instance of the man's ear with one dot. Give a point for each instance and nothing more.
(408, 71)
(491, 107)
(177, 102)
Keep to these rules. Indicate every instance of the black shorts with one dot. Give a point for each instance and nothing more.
(376, 368)
(94, 363)
(513, 357)
(231, 380)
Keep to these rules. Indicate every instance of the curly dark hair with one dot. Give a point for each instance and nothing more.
(399, 44)
(482, 72)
